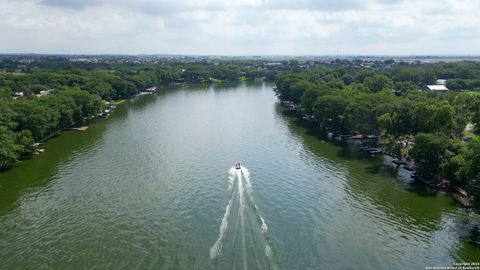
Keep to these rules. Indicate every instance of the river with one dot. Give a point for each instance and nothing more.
(152, 187)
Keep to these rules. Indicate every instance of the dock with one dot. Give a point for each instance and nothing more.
(84, 128)
(399, 162)
(151, 89)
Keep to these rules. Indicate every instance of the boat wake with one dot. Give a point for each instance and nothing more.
(243, 235)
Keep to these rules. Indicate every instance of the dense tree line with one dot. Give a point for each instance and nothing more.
(392, 103)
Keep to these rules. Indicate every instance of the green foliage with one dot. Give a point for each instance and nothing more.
(434, 118)
(385, 121)
(25, 144)
(404, 86)
(443, 119)
(472, 160)
(378, 83)
(431, 153)
(309, 97)
(329, 110)
(414, 75)
(100, 88)
(470, 172)
(361, 74)
(476, 121)
(33, 116)
(7, 114)
(5, 93)
(8, 149)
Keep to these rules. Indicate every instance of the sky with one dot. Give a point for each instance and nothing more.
(241, 27)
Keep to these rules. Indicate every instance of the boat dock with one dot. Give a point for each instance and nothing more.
(84, 128)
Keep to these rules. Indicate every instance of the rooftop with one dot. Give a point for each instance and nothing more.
(437, 87)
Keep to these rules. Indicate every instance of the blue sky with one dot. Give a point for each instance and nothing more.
(241, 27)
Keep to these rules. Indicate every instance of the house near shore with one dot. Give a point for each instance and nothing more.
(437, 88)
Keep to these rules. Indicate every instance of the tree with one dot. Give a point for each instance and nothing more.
(431, 153)
(8, 149)
(443, 119)
(378, 83)
(100, 88)
(386, 123)
(25, 148)
(329, 110)
(472, 160)
(86, 104)
(63, 104)
(308, 99)
(422, 115)
(297, 89)
(363, 73)
(7, 115)
(402, 87)
(31, 115)
(470, 171)
(363, 110)
(476, 121)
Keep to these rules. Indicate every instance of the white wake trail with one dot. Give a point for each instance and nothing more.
(263, 225)
(231, 178)
(246, 176)
(216, 249)
(245, 210)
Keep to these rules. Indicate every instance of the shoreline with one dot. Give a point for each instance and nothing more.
(111, 106)
(306, 121)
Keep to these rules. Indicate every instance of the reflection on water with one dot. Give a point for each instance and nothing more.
(37, 172)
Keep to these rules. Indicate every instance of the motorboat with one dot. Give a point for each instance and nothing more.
(238, 166)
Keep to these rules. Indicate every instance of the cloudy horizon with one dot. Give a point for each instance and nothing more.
(242, 27)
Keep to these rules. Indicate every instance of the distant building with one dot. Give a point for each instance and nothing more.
(437, 88)
(441, 82)
(271, 64)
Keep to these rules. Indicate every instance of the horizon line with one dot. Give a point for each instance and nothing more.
(240, 55)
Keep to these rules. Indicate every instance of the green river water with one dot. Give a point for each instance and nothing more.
(152, 187)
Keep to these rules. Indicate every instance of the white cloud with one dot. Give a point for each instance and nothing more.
(240, 27)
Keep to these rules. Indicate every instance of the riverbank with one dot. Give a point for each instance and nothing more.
(368, 144)
(107, 107)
